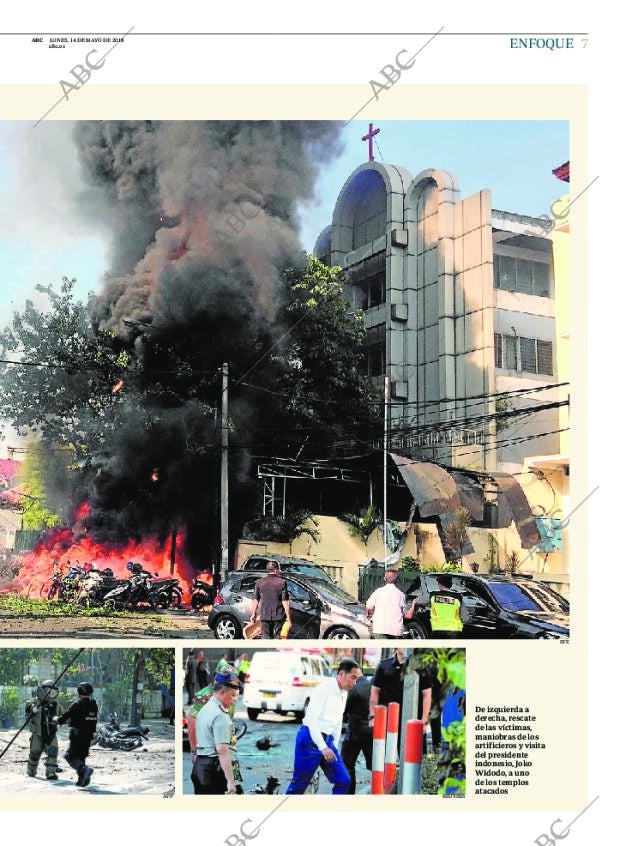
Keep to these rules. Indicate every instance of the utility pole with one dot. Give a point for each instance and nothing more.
(224, 477)
(386, 409)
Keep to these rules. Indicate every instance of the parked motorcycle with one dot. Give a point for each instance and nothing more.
(95, 586)
(202, 593)
(166, 593)
(130, 593)
(66, 587)
(111, 736)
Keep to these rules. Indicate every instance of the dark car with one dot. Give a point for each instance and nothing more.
(493, 607)
(286, 564)
(319, 609)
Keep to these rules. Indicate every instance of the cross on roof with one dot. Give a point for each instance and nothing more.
(371, 132)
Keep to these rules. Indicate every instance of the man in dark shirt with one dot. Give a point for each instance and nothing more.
(358, 736)
(271, 600)
(388, 684)
(191, 676)
(82, 717)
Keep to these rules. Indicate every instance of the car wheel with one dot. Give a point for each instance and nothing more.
(227, 628)
(253, 713)
(341, 633)
(417, 631)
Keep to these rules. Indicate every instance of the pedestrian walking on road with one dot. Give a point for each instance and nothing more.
(272, 603)
(388, 605)
(82, 718)
(316, 744)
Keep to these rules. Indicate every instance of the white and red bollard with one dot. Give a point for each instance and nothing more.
(378, 751)
(391, 745)
(412, 765)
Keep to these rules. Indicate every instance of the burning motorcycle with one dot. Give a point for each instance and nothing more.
(66, 587)
(131, 592)
(202, 592)
(95, 586)
(112, 736)
(165, 593)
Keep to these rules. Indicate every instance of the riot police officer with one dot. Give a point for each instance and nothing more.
(42, 712)
(82, 717)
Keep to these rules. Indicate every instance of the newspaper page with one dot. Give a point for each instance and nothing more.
(299, 347)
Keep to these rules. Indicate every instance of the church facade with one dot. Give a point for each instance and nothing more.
(459, 307)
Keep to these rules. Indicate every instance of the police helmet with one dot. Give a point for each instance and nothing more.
(47, 690)
(227, 680)
(85, 689)
(107, 573)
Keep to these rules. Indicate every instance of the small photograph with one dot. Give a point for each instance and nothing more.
(366, 721)
(96, 721)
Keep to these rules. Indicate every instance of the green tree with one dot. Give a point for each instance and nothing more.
(362, 525)
(61, 384)
(36, 515)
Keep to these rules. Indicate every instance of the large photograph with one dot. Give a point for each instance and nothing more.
(300, 378)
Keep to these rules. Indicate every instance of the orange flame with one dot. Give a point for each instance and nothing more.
(61, 548)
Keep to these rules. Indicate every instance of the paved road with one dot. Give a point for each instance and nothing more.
(148, 769)
(169, 623)
(257, 765)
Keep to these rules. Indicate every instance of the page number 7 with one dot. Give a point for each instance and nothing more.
(584, 42)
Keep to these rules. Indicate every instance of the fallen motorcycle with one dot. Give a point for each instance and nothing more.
(112, 736)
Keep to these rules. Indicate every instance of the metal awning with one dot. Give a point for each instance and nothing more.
(439, 492)
(433, 489)
(513, 505)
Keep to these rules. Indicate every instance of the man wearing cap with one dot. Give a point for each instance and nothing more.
(212, 773)
(272, 602)
(316, 744)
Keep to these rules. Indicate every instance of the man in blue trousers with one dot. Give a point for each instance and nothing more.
(316, 744)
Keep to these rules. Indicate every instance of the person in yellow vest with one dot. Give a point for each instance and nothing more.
(445, 609)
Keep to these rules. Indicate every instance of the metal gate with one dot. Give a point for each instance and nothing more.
(372, 577)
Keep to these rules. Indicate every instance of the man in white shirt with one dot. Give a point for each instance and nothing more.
(316, 744)
(387, 606)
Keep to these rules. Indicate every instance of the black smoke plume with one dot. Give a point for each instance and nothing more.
(203, 219)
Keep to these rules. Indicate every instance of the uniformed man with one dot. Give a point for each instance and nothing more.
(42, 712)
(82, 717)
(445, 608)
(213, 773)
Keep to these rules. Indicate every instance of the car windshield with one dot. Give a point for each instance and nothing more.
(516, 597)
(332, 592)
(308, 570)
